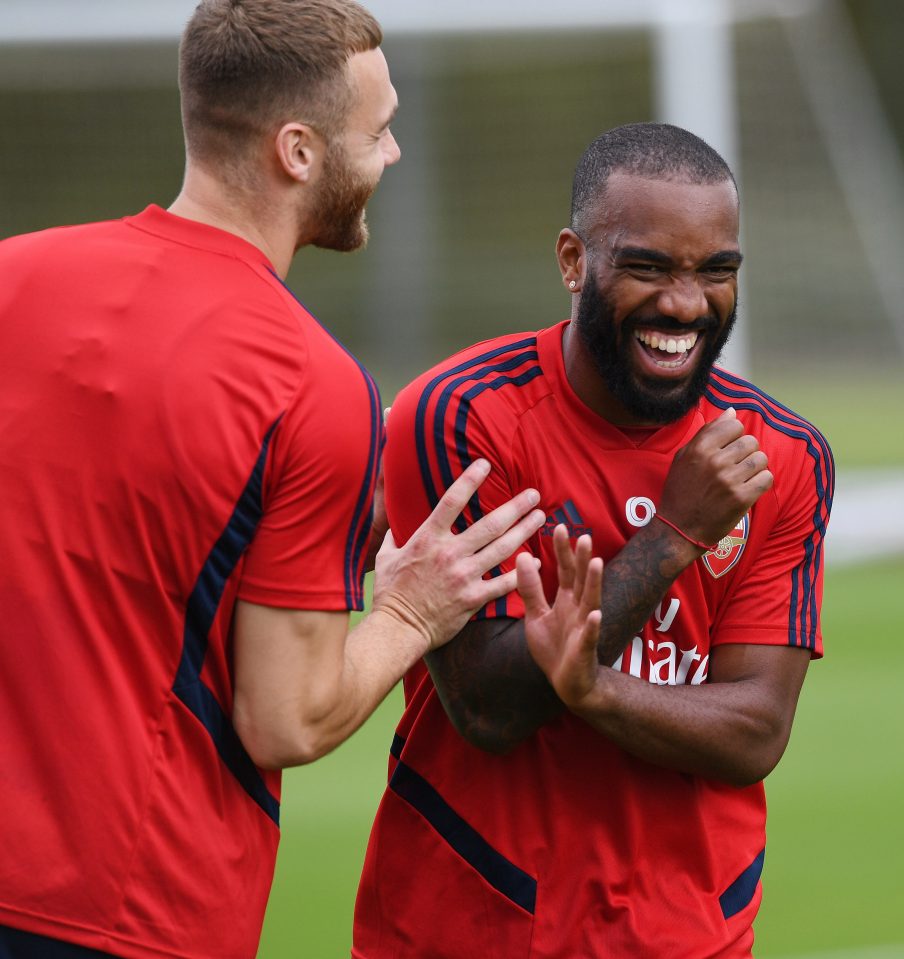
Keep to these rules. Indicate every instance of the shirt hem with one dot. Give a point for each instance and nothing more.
(327, 602)
(754, 635)
(88, 937)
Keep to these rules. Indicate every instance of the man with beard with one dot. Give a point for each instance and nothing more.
(189, 462)
(585, 779)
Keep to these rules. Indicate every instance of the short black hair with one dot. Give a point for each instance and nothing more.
(657, 151)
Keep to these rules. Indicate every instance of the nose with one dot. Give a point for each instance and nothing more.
(392, 151)
(683, 299)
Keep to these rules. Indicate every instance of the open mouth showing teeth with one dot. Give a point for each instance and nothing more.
(663, 345)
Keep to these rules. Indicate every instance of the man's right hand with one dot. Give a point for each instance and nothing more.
(435, 583)
(714, 480)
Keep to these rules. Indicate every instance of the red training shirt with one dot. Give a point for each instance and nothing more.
(176, 432)
(569, 847)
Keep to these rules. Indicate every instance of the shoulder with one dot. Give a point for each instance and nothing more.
(797, 450)
(494, 380)
(41, 242)
(336, 402)
(764, 415)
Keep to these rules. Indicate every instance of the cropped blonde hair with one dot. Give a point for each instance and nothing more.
(247, 66)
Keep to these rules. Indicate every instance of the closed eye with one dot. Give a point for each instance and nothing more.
(644, 269)
(721, 272)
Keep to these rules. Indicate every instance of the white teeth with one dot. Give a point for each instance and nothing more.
(669, 344)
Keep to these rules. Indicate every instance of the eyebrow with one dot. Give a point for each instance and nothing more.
(725, 258)
(641, 253)
(722, 258)
(391, 117)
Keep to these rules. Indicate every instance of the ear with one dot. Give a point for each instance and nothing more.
(571, 256)
(299, 150)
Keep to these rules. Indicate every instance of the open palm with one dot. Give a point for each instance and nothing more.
(563, 637)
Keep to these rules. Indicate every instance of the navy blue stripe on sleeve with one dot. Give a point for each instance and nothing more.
(727, 390)
(359, 530)
(472, 368)
(461, 424)
(430, 436)
(464, 457)
(200, 613)
(362, 520)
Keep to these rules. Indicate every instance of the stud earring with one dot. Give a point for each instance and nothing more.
(572, 284)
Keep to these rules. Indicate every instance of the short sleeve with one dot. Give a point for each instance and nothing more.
(432, 437)
(310, 546)
(778, 599)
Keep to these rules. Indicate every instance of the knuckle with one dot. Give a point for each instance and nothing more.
(493, 525)
(448, 560)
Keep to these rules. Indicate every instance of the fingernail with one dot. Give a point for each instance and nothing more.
(533, 496)
(482, 465)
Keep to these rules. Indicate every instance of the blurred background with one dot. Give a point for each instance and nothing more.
(498, 100)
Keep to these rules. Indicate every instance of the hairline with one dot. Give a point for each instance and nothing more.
(683, 175)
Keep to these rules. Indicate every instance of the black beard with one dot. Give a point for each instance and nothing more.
(610, 345)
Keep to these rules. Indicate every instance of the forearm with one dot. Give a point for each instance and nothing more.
(635, 581)
(722, 731)
(304, 682)
(493, 692)
(378, 652)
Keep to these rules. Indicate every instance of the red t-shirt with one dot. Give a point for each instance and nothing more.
(568, 847)
(176, 431)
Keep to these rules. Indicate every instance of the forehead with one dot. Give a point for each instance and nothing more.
(667, 214)
(374, 97)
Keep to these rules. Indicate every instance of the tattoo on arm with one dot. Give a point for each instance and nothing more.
(491, 688)
(634, 582)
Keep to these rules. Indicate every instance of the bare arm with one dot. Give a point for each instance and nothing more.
(489, 685)
(734, 728)
(303, 685)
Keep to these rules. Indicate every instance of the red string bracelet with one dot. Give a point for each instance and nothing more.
(683, 535)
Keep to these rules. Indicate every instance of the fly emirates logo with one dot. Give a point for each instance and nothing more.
(660, 660)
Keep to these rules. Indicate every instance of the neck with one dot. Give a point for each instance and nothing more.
(205, 199)
(588, 385)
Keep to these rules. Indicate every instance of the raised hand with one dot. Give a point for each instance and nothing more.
(434, 582)
(563, 637)
(714, 480)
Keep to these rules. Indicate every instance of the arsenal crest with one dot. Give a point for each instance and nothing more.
(726, 555)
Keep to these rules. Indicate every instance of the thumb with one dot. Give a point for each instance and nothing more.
(530, 586)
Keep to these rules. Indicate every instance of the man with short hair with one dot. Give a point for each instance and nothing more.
(585, 779)
(189, 462)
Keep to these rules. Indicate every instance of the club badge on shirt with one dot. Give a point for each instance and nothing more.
(726, 555)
